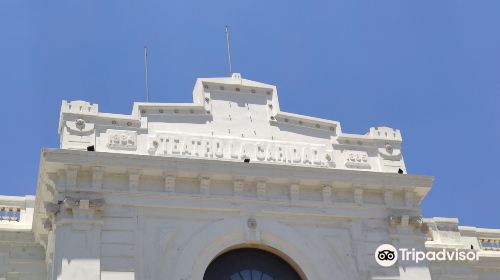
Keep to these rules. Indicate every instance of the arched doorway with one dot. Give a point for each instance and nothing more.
(250, 264)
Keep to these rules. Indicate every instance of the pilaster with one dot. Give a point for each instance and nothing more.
(75, 224)
(407, 232)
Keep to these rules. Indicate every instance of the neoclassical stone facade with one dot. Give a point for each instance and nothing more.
(168, 191)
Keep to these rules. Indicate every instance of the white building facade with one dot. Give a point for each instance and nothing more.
(227, 187)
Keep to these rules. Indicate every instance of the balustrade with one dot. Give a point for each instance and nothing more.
(11, 214)
(490, 244)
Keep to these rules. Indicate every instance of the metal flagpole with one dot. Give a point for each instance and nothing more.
(146, 68)
(228, 51)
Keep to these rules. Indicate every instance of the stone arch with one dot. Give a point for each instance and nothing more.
(229, 233)
(256, 263)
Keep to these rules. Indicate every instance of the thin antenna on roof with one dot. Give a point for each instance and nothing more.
(146, 68)
(228, 51)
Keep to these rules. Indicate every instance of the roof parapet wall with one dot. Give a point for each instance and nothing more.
(445, 233)
(16, 213)
(233, 119)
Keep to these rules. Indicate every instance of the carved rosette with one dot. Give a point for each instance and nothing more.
(251, 231)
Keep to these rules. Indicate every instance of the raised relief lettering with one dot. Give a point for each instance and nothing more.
(238, 149)
(356, 159)
(122, 140)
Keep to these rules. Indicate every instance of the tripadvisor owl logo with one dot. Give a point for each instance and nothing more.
(386, 255)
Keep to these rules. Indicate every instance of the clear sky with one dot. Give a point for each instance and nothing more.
(430, 68)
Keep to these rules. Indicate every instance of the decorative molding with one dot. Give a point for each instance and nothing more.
(294, 192)
(406, 220)
(80, 124)
(358, 195)
(71, 175)
(251, 230)
(169, 182)
(122, 139)
(394, 220)
(134, 176)
(416, 221)
(72, 210)
(238, 186)
(205, 185)
(389, 197)
(389, 152)
(420, 184)
(409, 198)
(61, 178)
(79, 127)
(261, 190)
(153, 144)
(97, 176)
(327, 193)
(72, 204)
(52, 209)
(252, 223)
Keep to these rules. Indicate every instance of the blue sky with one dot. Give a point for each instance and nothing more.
(429, 68)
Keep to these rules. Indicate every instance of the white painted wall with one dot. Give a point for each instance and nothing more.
(166, 191)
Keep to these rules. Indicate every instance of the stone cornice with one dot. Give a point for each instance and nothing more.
(337, 193)
(52, 158)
